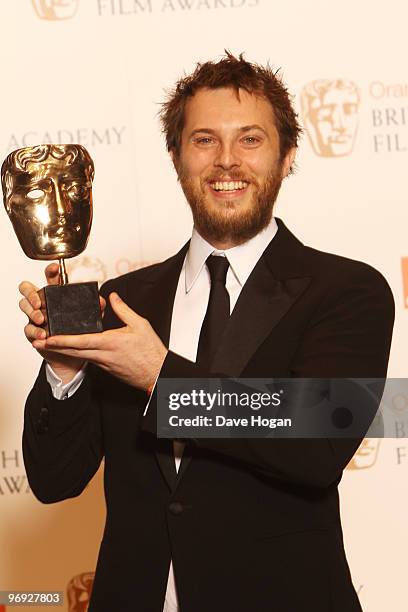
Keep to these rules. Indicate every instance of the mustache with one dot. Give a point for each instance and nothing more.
(230, 176)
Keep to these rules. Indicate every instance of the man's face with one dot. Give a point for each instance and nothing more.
(50, 207)
(229, 164)
(335, 120)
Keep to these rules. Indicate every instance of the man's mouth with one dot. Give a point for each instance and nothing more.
(228, 187)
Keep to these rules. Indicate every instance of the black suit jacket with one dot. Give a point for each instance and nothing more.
(251, 525)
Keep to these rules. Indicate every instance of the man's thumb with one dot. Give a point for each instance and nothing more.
(122, 310)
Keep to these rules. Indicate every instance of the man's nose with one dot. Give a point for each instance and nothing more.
(227, 157)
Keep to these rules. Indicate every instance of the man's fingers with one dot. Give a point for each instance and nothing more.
(25, 288)
(95, 356)
(29, 291)
(102, 303)
(30, 304)
(81, 342)
(52, 274)
(25, 307)
(122, 310)
(32, 332)
(35, 315)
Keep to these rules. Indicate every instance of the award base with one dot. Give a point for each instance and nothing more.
(71, 309)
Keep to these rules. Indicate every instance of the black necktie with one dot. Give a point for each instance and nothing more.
(218, 310)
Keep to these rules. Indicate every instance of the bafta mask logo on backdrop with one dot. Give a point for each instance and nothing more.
(399, 406)
(366, 454)
(330, 116)
(125, 265)
(79, 592)
(85, 268)
(54, 10)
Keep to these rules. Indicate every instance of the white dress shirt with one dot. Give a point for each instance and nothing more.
(190, 305)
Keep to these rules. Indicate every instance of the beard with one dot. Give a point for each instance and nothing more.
(226, 222)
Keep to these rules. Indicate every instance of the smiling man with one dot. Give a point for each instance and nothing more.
(221, 525)
(231, 170)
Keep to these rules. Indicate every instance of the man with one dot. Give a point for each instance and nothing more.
(243, 524)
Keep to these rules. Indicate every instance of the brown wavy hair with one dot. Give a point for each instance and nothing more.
(237, 73)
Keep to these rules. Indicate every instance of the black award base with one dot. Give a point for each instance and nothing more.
(71, 309)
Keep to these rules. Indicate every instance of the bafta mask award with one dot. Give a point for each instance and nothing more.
(47, 192)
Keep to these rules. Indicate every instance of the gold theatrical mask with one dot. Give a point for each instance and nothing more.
(48, 197)
(47, 193)
(330, 115)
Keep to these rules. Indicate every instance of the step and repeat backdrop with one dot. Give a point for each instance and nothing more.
(94, 72)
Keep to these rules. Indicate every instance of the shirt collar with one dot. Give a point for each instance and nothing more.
(242, 258)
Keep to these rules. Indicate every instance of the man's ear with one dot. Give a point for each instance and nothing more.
(288, 161)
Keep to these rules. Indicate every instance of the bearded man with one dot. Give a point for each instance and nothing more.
(220, 525)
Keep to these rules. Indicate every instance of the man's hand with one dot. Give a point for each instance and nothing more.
(64, 366)
(133, 353)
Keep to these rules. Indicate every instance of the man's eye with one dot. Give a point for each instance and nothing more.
(251, 140)
(204, 140)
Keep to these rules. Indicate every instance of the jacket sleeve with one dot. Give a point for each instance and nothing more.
(62, 440)
(349, 336)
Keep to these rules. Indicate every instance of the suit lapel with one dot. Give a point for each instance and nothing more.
(262, 304)
(276, 282)
(158, 304)
(158, 309)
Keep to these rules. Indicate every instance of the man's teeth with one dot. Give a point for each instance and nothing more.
(229, 185)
